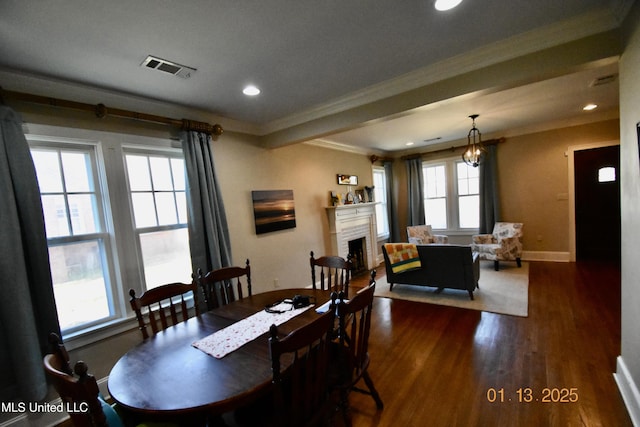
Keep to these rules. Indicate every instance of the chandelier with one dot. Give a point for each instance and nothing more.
(475, 152)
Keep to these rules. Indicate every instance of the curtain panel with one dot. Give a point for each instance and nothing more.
(208, 230)
(27, 305)
(415, 192)
(489, 196)
(394, 228)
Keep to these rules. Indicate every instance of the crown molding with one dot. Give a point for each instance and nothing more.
(556, 34)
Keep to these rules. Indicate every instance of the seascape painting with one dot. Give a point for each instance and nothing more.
(273, 210)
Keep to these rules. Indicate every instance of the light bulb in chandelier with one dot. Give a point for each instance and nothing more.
(475, 152)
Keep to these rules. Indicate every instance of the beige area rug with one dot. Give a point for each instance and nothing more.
(504, 292)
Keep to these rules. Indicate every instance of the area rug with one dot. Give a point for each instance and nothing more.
(504, 292)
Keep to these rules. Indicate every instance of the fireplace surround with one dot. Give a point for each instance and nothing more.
(352, 222)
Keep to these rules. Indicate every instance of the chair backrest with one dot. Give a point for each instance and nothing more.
(354, 318)
(77, 391)
(335, 273)
(420, 234)
(301, 388)
(507, 229)
(163, 306)
(218, 285)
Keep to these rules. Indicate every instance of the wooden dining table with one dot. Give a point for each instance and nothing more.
(166, 376)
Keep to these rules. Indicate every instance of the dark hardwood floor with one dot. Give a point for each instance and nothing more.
(435, 365)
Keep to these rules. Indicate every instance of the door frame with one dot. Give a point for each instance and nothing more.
(571, 150)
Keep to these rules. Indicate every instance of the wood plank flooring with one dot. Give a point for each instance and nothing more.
(435, 365)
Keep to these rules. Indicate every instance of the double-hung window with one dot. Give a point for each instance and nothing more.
(115, 216)
(380, 196)
(157, 193)
(451, 195)
(78, 240)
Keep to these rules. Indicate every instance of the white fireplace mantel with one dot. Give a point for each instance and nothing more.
(350, 222)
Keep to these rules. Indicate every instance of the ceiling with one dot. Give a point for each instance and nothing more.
(314, 60)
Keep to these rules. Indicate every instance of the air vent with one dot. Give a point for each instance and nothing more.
(168, 67)
(604, 80)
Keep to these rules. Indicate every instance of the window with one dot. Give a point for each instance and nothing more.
(451, 195)
(115, 217)
(607, 174)
(77, 239)
(380, 195)
(157, 192)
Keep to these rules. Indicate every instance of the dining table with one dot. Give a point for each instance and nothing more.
(166, 376)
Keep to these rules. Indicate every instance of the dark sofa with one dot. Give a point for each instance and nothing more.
(442, 266)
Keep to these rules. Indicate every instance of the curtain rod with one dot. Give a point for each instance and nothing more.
(101, 111)
(451, 149)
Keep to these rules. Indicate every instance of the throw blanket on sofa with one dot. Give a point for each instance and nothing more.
(402, 256)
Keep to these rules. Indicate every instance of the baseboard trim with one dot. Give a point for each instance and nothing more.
(628, 390)
(545, 256)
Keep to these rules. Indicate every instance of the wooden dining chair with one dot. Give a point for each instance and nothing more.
(163, 306)
(351, 355)
(218, 285)
(335, 273)
(299, 364)
(77, 388)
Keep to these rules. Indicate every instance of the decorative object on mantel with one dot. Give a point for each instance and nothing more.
(273, 210)
(360, 196)
(335, 198)
(344, 179)
(369, 191)
(475, 151)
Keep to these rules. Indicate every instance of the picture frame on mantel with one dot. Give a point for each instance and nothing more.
(345, 179)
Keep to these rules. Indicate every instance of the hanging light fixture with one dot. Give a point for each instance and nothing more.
(475, 152)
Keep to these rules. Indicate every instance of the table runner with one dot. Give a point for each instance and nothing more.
(226, 340)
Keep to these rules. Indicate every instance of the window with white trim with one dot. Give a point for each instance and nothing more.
(451, 195)
(380, 196)
(157, 192)
(115, 218)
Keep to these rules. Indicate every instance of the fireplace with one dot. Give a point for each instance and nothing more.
(351, 223)
(357, 250)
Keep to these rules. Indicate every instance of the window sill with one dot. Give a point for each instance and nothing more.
(100, 332)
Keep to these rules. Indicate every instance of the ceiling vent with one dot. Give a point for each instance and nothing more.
(168, 67)
(604, 80)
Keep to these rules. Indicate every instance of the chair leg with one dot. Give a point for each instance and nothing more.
(519, 262)
(496, 265)
(372, 389)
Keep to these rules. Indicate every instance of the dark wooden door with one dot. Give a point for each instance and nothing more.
(597, 203)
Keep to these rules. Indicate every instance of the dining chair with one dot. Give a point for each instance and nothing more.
(335, 273)
(299, 363)
(351, 354)
(218, 285)
(163, 306)
(78, 389)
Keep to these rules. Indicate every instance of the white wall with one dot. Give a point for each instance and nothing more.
(628, 371)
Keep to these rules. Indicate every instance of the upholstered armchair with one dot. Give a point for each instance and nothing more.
(423, 234)
(504, 244)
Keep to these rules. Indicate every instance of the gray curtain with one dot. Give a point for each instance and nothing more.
(394, 228)
(415, 192)
(27, 305)
(208, 230)
(489, 196)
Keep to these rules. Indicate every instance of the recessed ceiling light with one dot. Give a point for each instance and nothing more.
(251, 90)
(409, 143)
(590, 107)
(443, 5)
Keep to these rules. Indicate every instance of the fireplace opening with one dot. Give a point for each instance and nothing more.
(358, 253)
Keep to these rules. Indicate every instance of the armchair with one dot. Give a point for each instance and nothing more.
(423, 234)
(504, 244)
